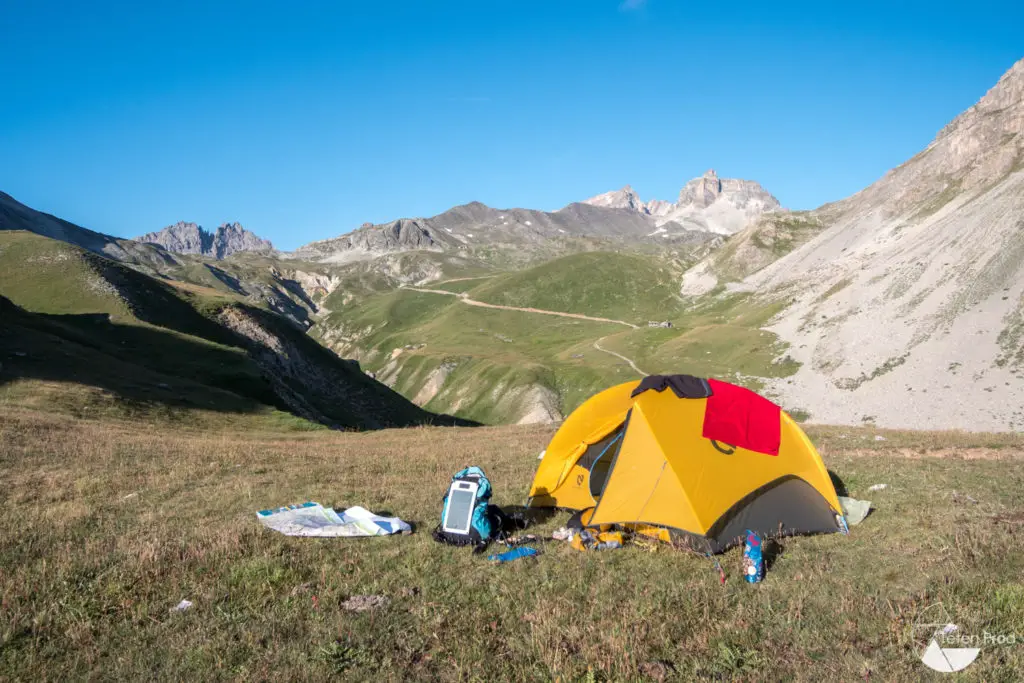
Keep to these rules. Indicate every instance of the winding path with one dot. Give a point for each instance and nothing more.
(464, 298)
(463, 279)
(597, 345)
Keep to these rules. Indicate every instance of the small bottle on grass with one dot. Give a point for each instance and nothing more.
(753, 559)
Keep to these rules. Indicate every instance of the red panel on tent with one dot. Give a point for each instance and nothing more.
(739, 417)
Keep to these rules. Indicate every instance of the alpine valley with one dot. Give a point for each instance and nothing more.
(899, 306)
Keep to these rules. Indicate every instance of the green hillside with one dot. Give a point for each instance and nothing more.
(184, 340)
(773, 236)
(436, 350)
(491, 358)
(491, 365)
(720, 337)
(82, 365)
(46, 275)
(388, 272)
(622, 286)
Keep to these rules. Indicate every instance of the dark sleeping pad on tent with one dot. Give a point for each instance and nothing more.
(683, 386)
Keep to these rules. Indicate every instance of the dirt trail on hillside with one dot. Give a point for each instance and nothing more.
(464, 298)
(473, 302)
(463, 279)
(597, 345)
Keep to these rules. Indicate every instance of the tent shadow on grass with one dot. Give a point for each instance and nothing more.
(838, 484)
(771, 551)
(521, 517)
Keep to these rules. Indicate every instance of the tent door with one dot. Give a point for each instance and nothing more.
(602, 465)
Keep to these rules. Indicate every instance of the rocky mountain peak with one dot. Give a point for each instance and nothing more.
(992, 128)
(1008, 91)
(701, 192)
(190, 238)
(929, 254)
(979, 147)
(181, 238)
(708, 203)
(658, 207)
(232, 238)
(626, 198)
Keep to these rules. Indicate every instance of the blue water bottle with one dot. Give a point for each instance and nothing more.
(753, 560)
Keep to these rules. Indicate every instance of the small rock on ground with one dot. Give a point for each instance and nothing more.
(656, 671)
(365, 603)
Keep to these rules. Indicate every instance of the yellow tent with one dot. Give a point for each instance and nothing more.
(687, 459)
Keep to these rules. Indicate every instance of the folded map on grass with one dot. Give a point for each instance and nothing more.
(313, 519)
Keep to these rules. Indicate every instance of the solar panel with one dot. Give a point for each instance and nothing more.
(459, 513)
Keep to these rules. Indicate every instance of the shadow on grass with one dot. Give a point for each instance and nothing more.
(519, 517)
(838, 484)
(771, 551)
(141, 365)
(152, 368)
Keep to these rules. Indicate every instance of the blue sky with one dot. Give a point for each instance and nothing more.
(302, 120)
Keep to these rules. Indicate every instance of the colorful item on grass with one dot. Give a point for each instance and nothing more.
(753, 558)
(514, 554)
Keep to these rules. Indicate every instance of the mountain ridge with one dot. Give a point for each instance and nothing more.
(518, 235)
(905, 301)
(723, 206)
(17, 216)
(191, 238)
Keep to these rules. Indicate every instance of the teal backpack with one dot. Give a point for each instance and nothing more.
(467, 517)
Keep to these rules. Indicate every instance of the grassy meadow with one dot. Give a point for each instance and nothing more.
(482, 347)
(110, 523)
(631, 287)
